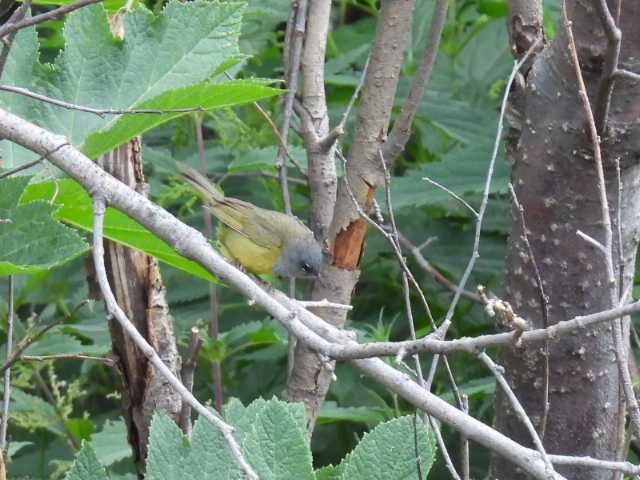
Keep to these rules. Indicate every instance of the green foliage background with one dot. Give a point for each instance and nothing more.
(57, 406)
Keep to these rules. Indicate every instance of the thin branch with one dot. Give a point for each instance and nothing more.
(108, 362)
(544, 308)
(17, 16)
(622, 73)
(187, 372)
(464, 444)
(402, 128)
(432, 271)
(453, 194)
(148, 351)
(589, 462)
(295, 37)
(30, 164)
(431, 343)
(97, 111)
(498, 372)
(6, 397)
(44, 17)
(612, 55)
(485, 195)
(214, 320)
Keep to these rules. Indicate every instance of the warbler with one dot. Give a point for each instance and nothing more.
(261, 240)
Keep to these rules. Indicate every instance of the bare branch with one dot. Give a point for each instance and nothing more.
(97, 111)
(44, 17)
(402, 129)
(115, 310)
(6, 396)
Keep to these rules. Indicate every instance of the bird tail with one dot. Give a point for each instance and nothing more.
(200, 182)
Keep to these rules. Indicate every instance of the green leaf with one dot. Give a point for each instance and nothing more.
(391, 450)
(32, 241)
(80, 428)
(110, 443)
(32, 413)
(86, 466)
(76, 209)
(273, 435)
(161, 63)
(463, 171)
(331, 413)
(208, 96)
(168, 450)
(56, 343)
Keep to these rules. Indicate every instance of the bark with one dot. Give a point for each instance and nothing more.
(137, 284)
(555, 180)
(311, 375)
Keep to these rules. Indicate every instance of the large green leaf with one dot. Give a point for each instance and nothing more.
(76, 209)
(392, 450)
(32, 241)
(162, 63)
(86, 466)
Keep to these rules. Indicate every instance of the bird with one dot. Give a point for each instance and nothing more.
(260, 240)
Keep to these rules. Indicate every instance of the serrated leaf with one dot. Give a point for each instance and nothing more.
(76, 209)
(275, 445)
(110, 443)
(161, 63)
(32, 241)
(168, 450)
(86, 466)
(391, 450)
(56, 343)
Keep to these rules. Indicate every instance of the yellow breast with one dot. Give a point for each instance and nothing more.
(254, 258)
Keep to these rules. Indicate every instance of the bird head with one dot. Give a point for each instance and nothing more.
(300, 258)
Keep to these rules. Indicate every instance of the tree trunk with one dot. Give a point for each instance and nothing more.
(137, 285)
(554, 176)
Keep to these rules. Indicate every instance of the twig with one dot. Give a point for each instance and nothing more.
(6, 397)
(544, 309)
(28, 339)
(433, 344)
(622, 73)
(17, 16)
(432, 271)
(187, 372)
(464, 444)
(109, 362)
(148, 351)
(295, 37)
(402, 129)
(485, 195)
(97, 111)
(589, 462)
(214, 320)
(497, 372)
(19, 168)
(612, 55)
(607, 244)
(453, 194)
(44, 17)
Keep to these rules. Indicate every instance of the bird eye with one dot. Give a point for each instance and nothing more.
(306, 268)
